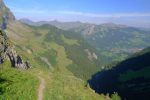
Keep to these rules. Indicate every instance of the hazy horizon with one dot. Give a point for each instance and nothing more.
(132, 13)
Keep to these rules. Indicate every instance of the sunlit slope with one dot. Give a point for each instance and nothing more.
(49, 59)
(48, 44)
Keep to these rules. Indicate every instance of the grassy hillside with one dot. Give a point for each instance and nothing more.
(50, 59)
(60, 57)
(17, 84)
(56, 45)
(114, 42)
(21, 84)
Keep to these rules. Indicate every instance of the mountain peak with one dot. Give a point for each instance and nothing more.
(5, 15)
(1, 3)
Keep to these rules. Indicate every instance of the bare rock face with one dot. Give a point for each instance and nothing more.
(5, 15)
(91, 55)
(3, 46)
(8, 51)
(16, 60)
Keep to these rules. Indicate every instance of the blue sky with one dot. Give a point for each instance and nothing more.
(94, 11)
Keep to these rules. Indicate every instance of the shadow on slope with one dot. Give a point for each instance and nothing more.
(130, 78)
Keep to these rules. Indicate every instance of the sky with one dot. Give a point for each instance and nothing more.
(129, 12)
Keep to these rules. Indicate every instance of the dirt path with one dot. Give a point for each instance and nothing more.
(41, 88)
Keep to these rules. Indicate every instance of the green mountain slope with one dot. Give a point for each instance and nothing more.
(111, 39)
(56, 58)
(114, 42)
(44, 41)
(130, 78)
(49, 60)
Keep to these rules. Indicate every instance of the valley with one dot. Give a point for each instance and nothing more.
(110, 40)
(52, 60)
(129, 78)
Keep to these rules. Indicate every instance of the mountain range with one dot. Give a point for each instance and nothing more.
(61, 62)
(110, 40)
(61, 56)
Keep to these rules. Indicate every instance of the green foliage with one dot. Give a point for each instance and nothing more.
(69, 87)
(115, 96)
(16, 84)
(81, 66)
(69, 41)
(41, 63)
(51, 55)
(130, 75)
(115, 42)
(64, 50)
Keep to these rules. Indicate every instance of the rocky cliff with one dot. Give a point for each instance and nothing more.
(7, 51)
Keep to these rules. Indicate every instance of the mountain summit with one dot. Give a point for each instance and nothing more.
(5, 15)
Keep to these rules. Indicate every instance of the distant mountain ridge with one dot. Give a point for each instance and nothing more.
(65, 56)
(67, 25)
(111, 40)
(83, 59)
(62, 58)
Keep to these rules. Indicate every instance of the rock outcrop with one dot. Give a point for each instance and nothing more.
(91, 55)
(8, 51)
